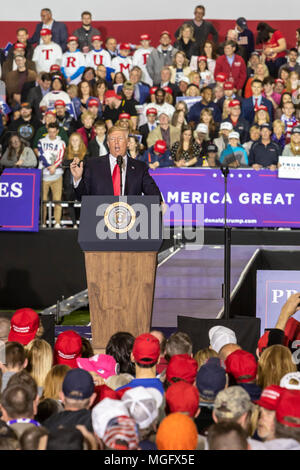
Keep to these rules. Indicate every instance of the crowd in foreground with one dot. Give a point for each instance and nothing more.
(149, 392)
(193, 100)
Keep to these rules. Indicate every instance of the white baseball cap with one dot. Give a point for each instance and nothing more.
(219, 336)
(202, 128)
(226, 125)
(106, 410)
(142, 404)
(234, 135)
(287, 378)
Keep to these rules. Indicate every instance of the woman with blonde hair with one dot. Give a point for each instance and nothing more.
(179, 68)
(40, 360)
(273, 364)
(193, 90)
(293, 148)
(76, 148)
(186, 40)
(54, 380)
(261, 115)
(195, 79)
(261, 72)
(203, 355)
(278, 135)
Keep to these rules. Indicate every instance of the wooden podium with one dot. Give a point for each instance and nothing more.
(120, 237)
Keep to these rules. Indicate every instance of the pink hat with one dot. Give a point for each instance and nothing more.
(103, 364)
(23, 326)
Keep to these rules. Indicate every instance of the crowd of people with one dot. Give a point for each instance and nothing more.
(149, 392)
(190, 101)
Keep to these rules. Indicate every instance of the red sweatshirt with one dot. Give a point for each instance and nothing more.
(237, 73)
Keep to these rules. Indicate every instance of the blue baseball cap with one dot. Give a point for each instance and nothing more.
(78, 384)
(211, 379)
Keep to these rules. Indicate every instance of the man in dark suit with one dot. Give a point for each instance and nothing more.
(101, 176)
(35, 94)
(59, 30)
(250, 105)
(150, 125)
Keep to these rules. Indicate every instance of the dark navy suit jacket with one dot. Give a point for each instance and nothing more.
(59, 34)
(248, 108)
(97, 179)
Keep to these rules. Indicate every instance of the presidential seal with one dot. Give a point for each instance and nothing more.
(119, 217)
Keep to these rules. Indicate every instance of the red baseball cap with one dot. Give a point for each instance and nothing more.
(55, 68)
(97, 37)
(228, 86)
(111, 94)
(73, 38)
(182, 366)
(23, 326)
(262, 108)
(165, 32)
(221, 77)
(288, 408)
(59, 103)
(242, 366)
(167, 89)
(233, 103)
(153, 90)
(19, 45)
(68, 348)
(45, 32)
(124, 45)
(145, 37)
(202, 57)
(160, 146)
(124, 116)
(269, 397)
(50, 111)
(146, 349)
(151, 111)
(279, 80)
(93, 102)
(182, 397)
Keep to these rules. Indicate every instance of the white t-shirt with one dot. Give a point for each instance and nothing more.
(140, 58)
(95, 58)
(122, 64)
(46, 55)
(50, 98)
(73, 63)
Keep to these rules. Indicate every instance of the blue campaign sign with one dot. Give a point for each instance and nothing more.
(273, 288)
(20, 200)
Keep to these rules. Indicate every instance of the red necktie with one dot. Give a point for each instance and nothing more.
(256, 104)
(116, 180)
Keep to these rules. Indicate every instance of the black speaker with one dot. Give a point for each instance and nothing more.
(247, 331)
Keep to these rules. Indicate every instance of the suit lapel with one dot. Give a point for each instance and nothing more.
(130, 174)
(106, 174)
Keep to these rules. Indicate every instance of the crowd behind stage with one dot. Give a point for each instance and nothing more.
(192, 100)
(149, 392)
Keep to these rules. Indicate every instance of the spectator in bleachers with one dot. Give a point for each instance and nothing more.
(285, 98)
(261, 115)
(111, 46)
(164, 131)
(114, 106)
(140, 57)
(232, 65)
(280, 357)
(19, 48)
(18, 154)
(178, 119)
(47, 53)
(206, 117)
(222, 140)
(264, 153)
(16, 361)
(51, 150)
(253, 61)
(245, 36)
(98, 145)
(134, 147)
(145, 129)
(209, 51)
(206, 102)
(185, 41)
(233, 404)
(254, 133)
(97, 55)
(53, 382)
(58, 30)
(274, 46)
(64, 118)
(36, 93)
(234, 155)
(179, 67)
(85, 93)
(251, 105)
(25, 126)
(123, 61)
(42, 131)
(40, 360)
(157, 156)
(75, 149)
(202, 28)
(278, 133)
(207, 77)
(162, 56)
(100, 90)
(57, 92)
(22, 38)
(239, 123)
(227, 436)
(293, 148)
(86, 32)
(270, 94)
(87, 131)
(289, 119)
(73, 62)
(261, 72)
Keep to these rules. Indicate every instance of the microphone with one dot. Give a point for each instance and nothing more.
(120, 163)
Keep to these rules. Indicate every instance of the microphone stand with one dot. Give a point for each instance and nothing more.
(120, 164)
(227, 251)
